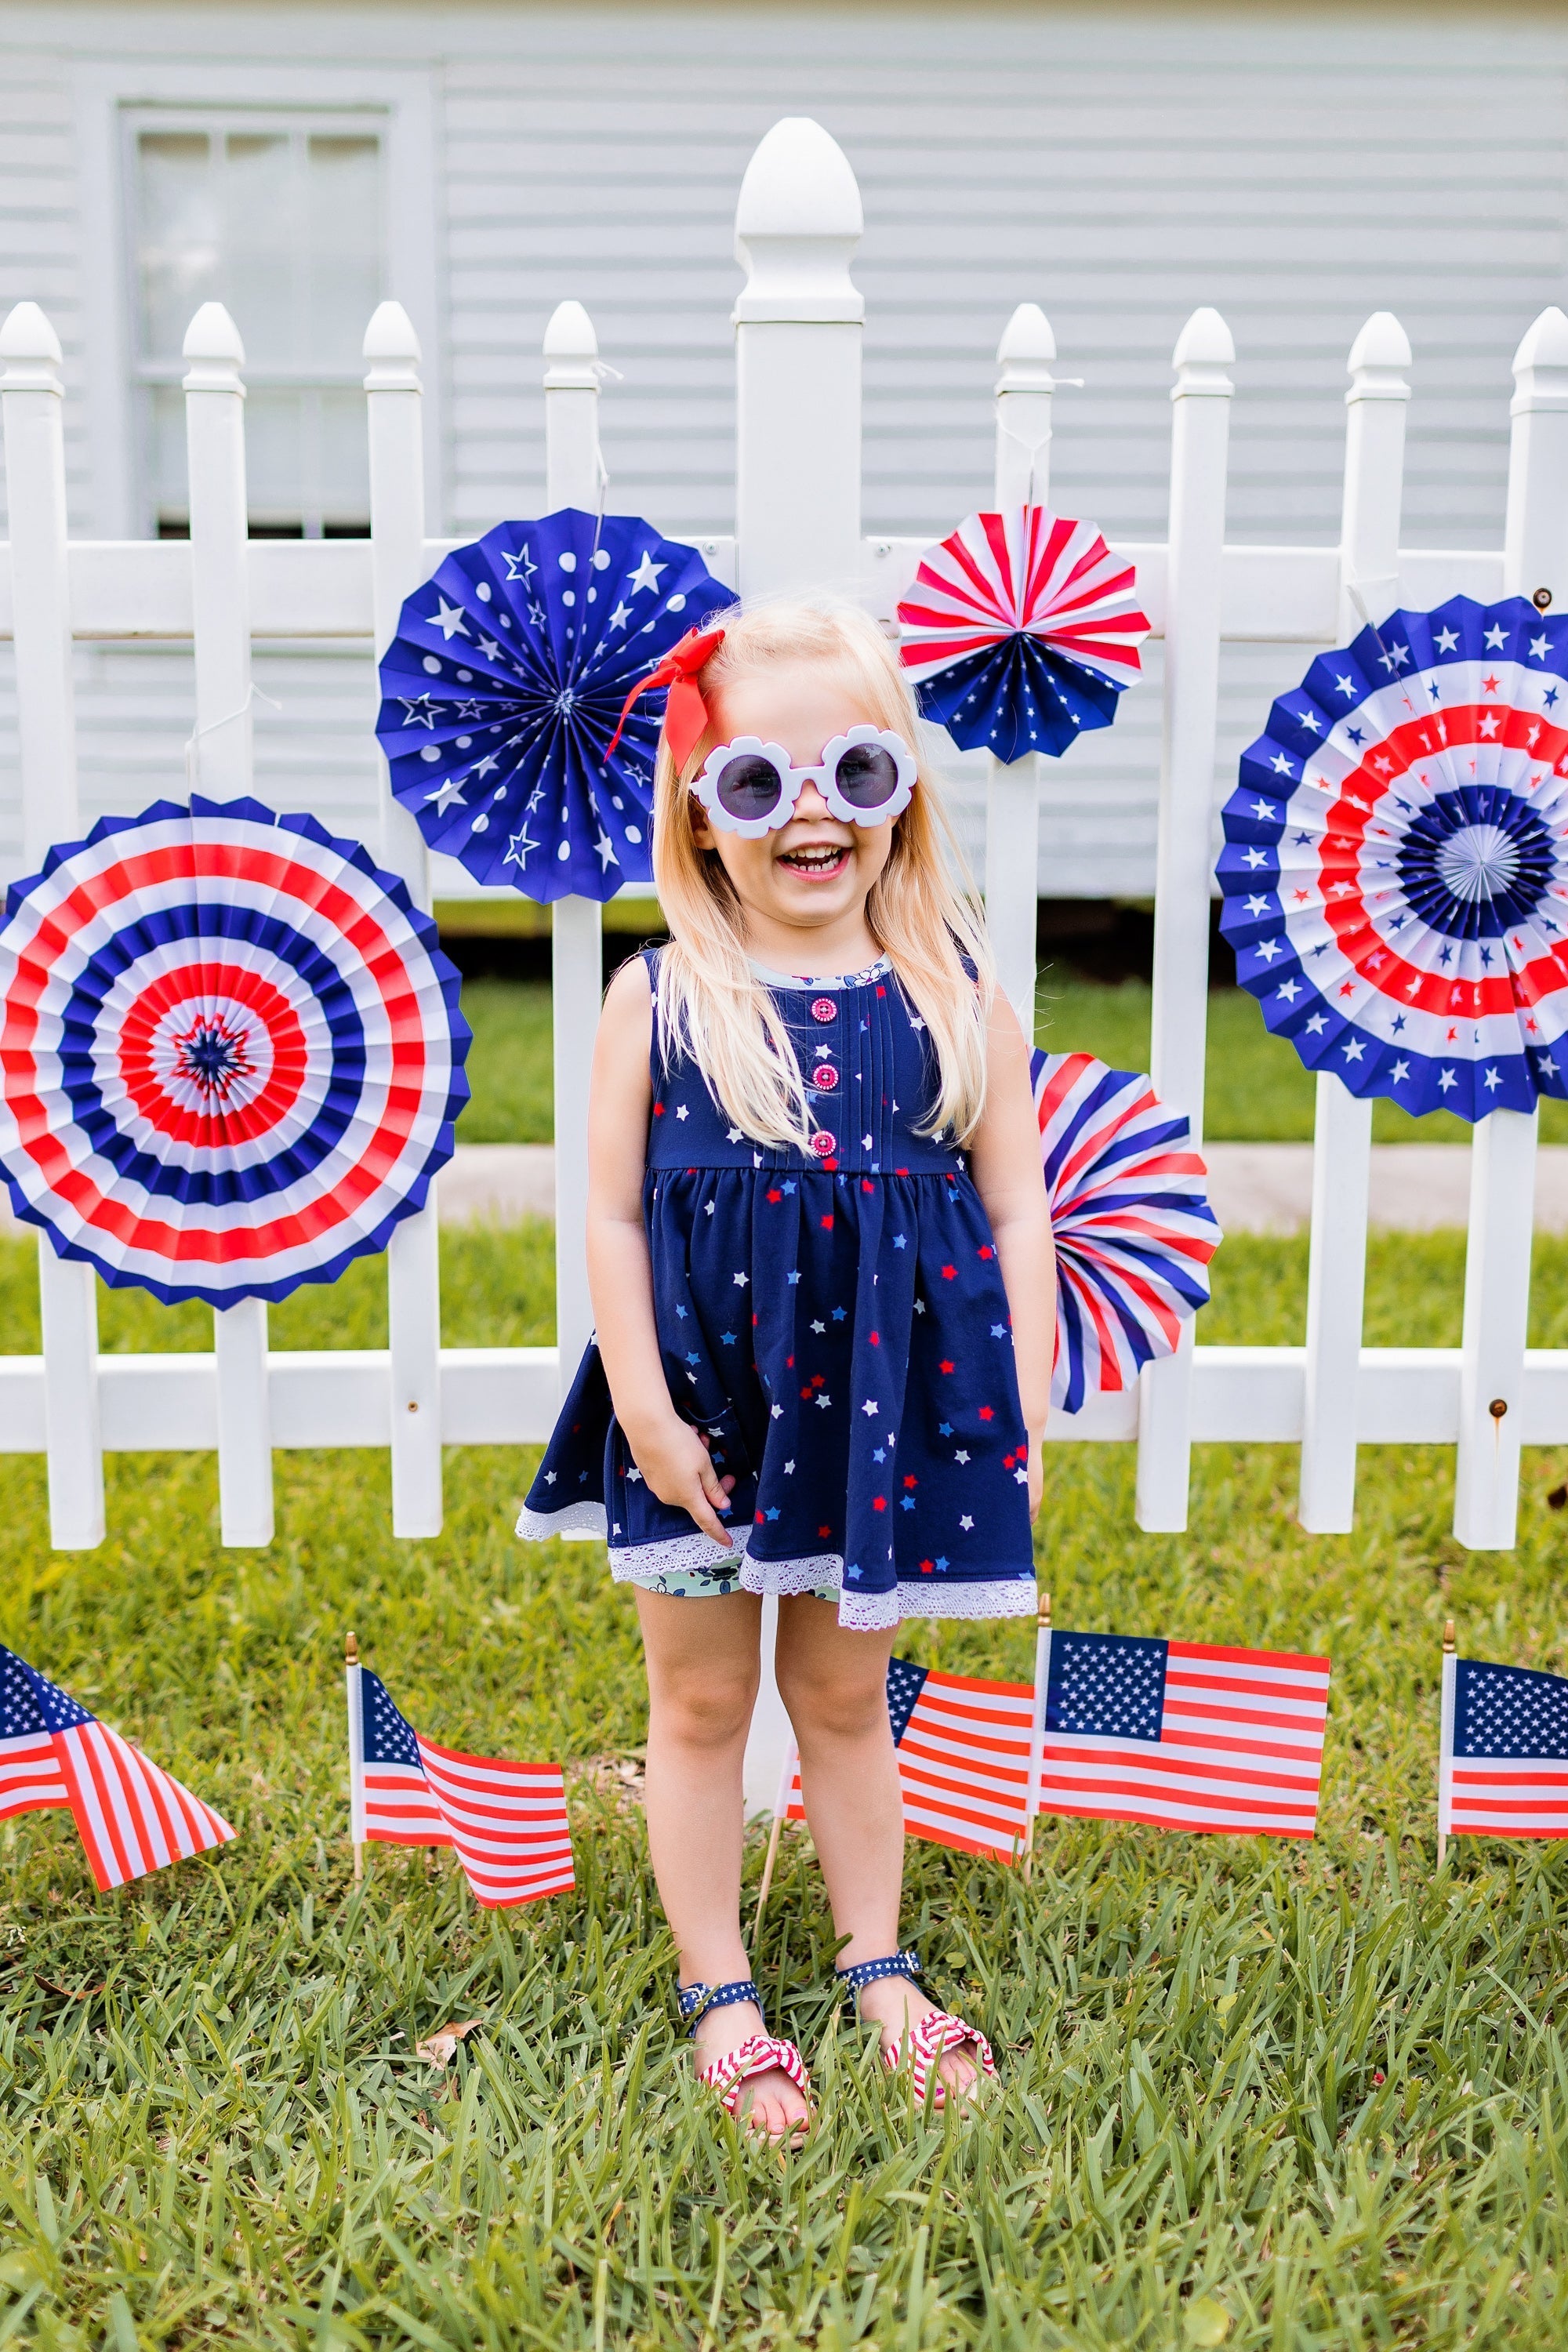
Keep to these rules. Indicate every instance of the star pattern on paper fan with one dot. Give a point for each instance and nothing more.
(448, 619)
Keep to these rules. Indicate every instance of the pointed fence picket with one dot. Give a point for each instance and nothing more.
(798, 330)
(1342, 1158)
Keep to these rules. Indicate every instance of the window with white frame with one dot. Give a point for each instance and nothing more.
(281, 217)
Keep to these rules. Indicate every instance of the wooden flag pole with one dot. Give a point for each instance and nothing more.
(1038, 1731)
(1446, 1744)
(356, 1752)
(781, 1806)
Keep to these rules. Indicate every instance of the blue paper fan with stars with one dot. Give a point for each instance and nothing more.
(503, 686)
(1395, 867)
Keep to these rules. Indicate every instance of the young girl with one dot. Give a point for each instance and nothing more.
(820, 1259)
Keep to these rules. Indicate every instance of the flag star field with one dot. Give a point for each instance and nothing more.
(1510, 1711)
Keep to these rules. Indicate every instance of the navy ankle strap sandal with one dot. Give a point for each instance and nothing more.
(760, 2054)
(905, 1963)
(695, 2000)
(924, 2043)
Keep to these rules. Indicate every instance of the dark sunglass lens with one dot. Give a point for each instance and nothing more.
(749, 787)
(866, 775)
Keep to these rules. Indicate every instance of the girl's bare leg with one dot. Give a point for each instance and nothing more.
(702, 1672)
(834, 1684)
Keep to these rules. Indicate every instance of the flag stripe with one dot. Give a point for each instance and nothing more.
(131, 1816)
(30, 1776)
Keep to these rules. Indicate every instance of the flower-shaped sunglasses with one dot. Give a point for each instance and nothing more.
(867, 776)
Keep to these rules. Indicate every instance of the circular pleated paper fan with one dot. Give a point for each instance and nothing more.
(233, 1052)
(1395, 866)
(1132, 1227)
(502, 691)
(1020, 632)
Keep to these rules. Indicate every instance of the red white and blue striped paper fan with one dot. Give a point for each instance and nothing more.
(1020, 632)
(1133, 1228)
(232, 1052)
(1395, 867)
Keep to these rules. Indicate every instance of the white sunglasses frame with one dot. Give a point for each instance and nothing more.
(706, 785)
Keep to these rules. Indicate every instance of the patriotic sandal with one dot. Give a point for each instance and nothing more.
(760, 2054)
(935, 2033)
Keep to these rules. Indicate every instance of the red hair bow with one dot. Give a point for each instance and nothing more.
(685, 712)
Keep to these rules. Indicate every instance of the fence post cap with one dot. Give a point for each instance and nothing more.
(1025, 352)
(798, 220)
(1540, 366)
(213, 335)
(1204, 341)
(1203, 351)
(1545, 344)
(799, 184)
(571, 350)
(391, 346)
(1382, 343)
(27, 335)
(31, 351)
(1378, 357)
(211, 345)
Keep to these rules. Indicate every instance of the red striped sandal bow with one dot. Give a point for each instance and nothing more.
(760, 2054)
(924, 2043)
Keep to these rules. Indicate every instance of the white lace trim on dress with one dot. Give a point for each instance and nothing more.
(818, 1572)
(575, 1519)
(986, 1597)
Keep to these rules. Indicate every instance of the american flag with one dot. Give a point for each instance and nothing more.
(964, 1758)
(132, 1817)
(1182, 1735)
(1504, 1754)
(507, 1822)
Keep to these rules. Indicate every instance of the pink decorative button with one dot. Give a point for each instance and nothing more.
(823, 1008)
(824, 1078)
(824, 1144)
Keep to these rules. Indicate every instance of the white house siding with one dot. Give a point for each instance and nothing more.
(1297, 167)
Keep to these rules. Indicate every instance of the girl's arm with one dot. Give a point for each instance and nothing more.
(672, 1456)
(1004, 1160)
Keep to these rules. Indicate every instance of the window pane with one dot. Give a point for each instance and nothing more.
(344, 243)
(166, 466)
(344, 462)
(281, 220)
(178, 238)
(274, 456)
(263, 220)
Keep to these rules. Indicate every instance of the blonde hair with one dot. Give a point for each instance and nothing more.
(710, 1003)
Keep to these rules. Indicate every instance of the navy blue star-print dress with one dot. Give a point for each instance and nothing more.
(836, 1322)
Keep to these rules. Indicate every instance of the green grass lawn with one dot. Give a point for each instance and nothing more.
(1257, 1091)
(1283, 2096)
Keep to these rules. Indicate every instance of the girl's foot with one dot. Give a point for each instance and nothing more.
(768, 2103)
(896, 2006)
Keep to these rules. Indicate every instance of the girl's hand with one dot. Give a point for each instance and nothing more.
(1037, 1474)
(673, 1458)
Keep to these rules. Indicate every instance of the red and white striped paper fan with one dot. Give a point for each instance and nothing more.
(1133, 1230)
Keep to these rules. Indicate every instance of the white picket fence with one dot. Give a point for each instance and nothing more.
(798, 356)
